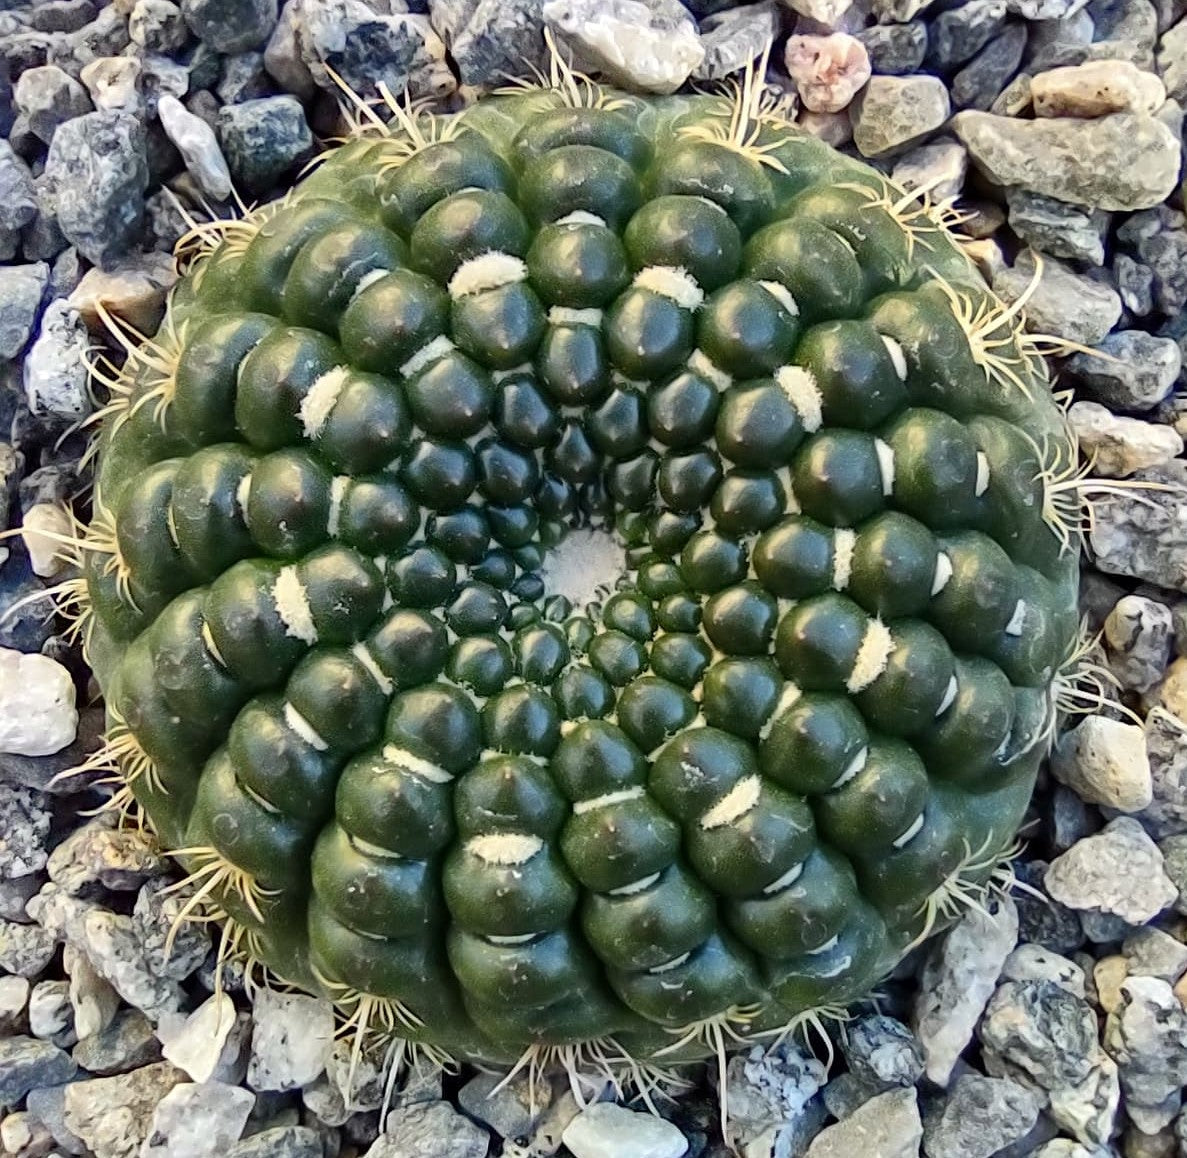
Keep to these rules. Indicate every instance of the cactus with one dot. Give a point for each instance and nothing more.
(713, 803)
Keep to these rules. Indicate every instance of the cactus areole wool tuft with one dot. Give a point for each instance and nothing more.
(584, 581)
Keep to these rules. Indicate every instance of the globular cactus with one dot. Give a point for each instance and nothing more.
(797, 735)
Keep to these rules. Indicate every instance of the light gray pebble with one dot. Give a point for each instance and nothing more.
(734, 37)
(280, 1142)
(112, 1115)
(22, 1136)
(198, 146)
(14, 998)
(1152, 952)
(958, 978)
(607, 1130)
(1139, 372)
(1139, 637)
(197, 1121)
(1160, 240)
(1174, 864)
(126, 1044)
(157, 26)
(886, 1126)
(26, 1063)
(430, 1130)
(21, 292)
(48, 96)
(1065, 304)
(882, 1049)
(1144, 535)
(293, 1035)
(25, 949)
(263, 139)
(1124, 161)
(895, 49)
(893, 112)
(1119, 446)
(161, 75)
(231, 25)
(979, 1117)
(511, 1109)
(1135, 284)
(112, 945)
(24, 830)
(106, 35)
(958, 34)
(1147, 1037)
(51, 1016)
(243, 78)
(1172, 60)
(847, 1093)
(1116, 873)
(46, 1105)
(98, 171)
(1034, 963)
(154, 916)
(490, 40)
(1057, 228)
(939, 167)
(61, 15)
(1071, 818)
(282, 56)
(982, 80)
(1104, 760)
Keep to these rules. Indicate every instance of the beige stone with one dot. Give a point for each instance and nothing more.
(1109, 973)
(1096, 89)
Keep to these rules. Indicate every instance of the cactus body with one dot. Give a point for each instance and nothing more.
(731, 792)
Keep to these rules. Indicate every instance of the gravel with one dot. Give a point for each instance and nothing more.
(1051, 1028)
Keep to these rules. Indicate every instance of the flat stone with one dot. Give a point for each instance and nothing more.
(197, 1121)
(1117, 445)
(979, 1117)
(887, 1126)
(113, 1115)
(734, 37)
(293, 1034)
(957, 980)
(1064, 304)
(650, 47)
(263, 139)
(1123, 161)
(1144, 535)
(37, 715)
(1105, 762)
(231, 25)
(896, 111)
(1138, 372)
(828, 71)
(26, 1063)
(1057, 228)
(198, 146)
(1117, 873)
(982, 80)
(1151, 952)
(197, 1042)
(430, 1130)
(1096, 89)
(958, 34)
(605, 1130)
(21, 293)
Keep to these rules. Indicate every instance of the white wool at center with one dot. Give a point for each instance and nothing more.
(581, 563)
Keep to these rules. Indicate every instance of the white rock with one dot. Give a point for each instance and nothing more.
(1104, 761)
(1096, 89)
(14, 996)
(292, 1038)
(56, 374)
(828, 71)
(197, 1121)
(195, 1043)
(37, 716)
(114, 83)
(198, 146)
(605, 1130)
(939, 167)
(95, 1001)
(1117, 872)
(643, 46)
(958, 980)
(43, 528)
(827, 12)
(1030, 962)
(1118, 445)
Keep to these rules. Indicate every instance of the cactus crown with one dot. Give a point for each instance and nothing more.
(715, 802)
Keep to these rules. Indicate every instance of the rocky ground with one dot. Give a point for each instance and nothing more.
(1052, 1026)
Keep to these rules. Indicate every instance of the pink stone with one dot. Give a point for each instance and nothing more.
(827, 70)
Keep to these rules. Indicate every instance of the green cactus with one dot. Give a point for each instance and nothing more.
(798, 735)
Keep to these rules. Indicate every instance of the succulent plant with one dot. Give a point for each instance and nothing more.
(728, 793)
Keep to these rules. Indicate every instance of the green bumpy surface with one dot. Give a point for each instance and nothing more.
(818, 691)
